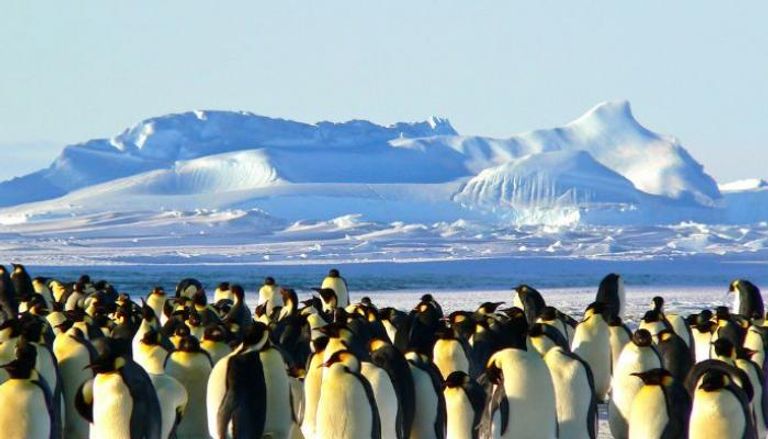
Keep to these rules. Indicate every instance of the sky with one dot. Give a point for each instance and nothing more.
(698, 70)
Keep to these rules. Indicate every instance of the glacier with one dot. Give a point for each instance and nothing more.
(184, 187)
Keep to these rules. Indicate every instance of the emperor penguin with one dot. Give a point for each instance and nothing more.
(312, 382)
(720, 409)
(338, 284)
(676, 357)
(528, 392)
(173, 399)
(591, 342)
(119, 401)
(611, 294)
(188, 287)
(223, 292)
(747, 300)
(74, 353)
(759, 403)
(755, 340)
(191, 366)
(151, 352)
(26, 399)
(238, 313)
(661, 407)
(236, 397)
(675, 322)
(215, 343)
(269, 295)
(389, 358)
(575, 399)
(429, 416)
(464, 401)
(552, 317)
(654, 322)
(384, 396)
(157, 300)
(9, 302)
(450, 354)
(639, 355)
(702, 331)
(530, 301)
(347, 408)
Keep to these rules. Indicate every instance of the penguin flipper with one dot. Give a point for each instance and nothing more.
(245, 401)
(84, 400)
(52, 413)
(679, 409)
(592, 412)
(145, 417)
(376, 421)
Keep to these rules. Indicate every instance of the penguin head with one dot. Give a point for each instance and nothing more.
(157, 291)
(147, 313)
(152, 337)
(722, 313)
(652, 316)
(541, 338)
(333, 272)
(714, 380)
(489, 307)
(345, 357)
(289, 296)
(376, 343)
(456, 379)
(665, 335)
(256, 336)
(655, 377)
(23, 366)
(109, 359)
(642, 338)
(269, 281)
(199, 300)
(223, 286)
(724, 348)
(189, 344)
(657, 304)
(215, 333)
(594, 309)
(548, 314)
(328, 295)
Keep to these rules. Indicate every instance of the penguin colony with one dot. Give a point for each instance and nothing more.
(80, 360)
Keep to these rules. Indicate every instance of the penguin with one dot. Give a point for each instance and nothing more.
(676, 357)
(238, 313)
(157, 300)
(347, 408)
(429, 416)
(530, 301)
(702, 331)
(214, 342)
(529, 394)
(384, 396)
(119, 401)
(173, 399)
(611, 294)
(338, 284)
(191, 366)
(269, 294)
(637, 356)
(618, 336)
(223, 292)
(449, 353)
(188, 287)
(728, 327)
(388, 357)
(575, 401)
(756, 340)
(9, 303)
(654, 322)
(747, 300)
(312, 381)
(552, 317)
(591, 342)
(329, 302)
(660, 408)
(236, 395)
(674, 321)
(393, 319)
(73, 353)
(759, 403)
(26, 399)
(464, 401)
(720, 409)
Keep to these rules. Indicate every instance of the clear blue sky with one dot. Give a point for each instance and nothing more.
(75, 70)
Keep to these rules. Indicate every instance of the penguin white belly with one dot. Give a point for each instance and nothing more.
(459, 412)
(624, 386)
(449, 356)
(618, 338)
(157, 303)
(24, 414)
(384, 395)
(216, 389)
(171, 395)
(426, 405)
(648, 415)
(73, 358)
(344, 411)
(716, 414)
(391, 330)
(144, 327)
(279, 410)
(736, 303)
(312, 384)
(591, 342)
(531, 396)
(112, 407)
(150, 357)
(573, 394)
(192, 371)
(702, 344)
(680, 327)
